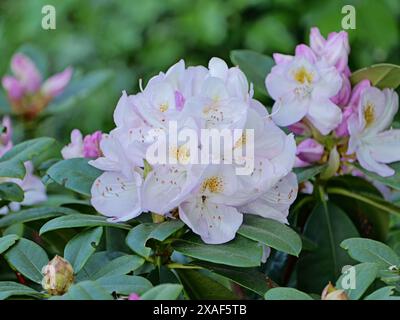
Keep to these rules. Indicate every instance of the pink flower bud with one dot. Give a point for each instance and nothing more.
(26, 72)
(335, 49)
(356, 93)
(342, 98)
(304, 51)
(179, 100)
(342, 130)
(134, 296)
(317, 41)
(91, 145)
(299, 128)
(13, 87)
(308, 152)
(56, 84)
(281, 58)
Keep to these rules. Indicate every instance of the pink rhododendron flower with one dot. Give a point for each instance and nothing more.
(342, 129)
(308, 152)
(303, 87)
(87, 147)
(210, 198)
(373, 144)
(25, 90)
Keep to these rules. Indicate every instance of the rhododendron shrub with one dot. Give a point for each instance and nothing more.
(215, 182)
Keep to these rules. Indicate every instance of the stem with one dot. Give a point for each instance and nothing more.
(182, 266)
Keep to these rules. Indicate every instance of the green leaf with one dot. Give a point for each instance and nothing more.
(365, 274)
(37, 150)
(385, 293)
(139, 235)
(305, 174)
(256, 66)
(97, 261)
(382, 75)
(271, 233)
(370, 220)
(10, 289)
(239, 252)
(74, 174)
(198, 286)
(119, 266)
(11, 192)
(12, 169)
(79, 221)
(33, 214)
(79, 249)
(327, 227)
(28, 258)
(248, 278)
(7, 241)
(367, 250)
(370, 199)
(85, 290)
(77, 90)
(163, 292)
(123, 284)
(286, 294)
(392, 181)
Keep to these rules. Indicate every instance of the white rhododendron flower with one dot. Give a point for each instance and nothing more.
(302, 86)
(207, 192)
(370, 137)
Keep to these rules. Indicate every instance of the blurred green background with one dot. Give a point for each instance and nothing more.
(137, 38)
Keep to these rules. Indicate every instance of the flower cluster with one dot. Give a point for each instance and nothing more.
(338, 124)
(26, 91)
(210, 198)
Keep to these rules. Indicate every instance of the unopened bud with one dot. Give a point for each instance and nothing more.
(331, 293)
(58, 276)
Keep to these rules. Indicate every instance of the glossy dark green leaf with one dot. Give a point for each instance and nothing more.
(385, 293)
(79, 249)
(14, 289)
(80, 220)
(240, 252)
(271, 233)
(74, 174)
(365, 274)
(123, 284)
(28, 258)
(36, 150)
(140, 234)
(85, 290)
(382, 75)
(163, 292)
(286, 294)
(367, 250)
(7, 241)
(256, 66)
(119, 266)
(198, 286)
(327, 227)
(11, 192)
(33, 214)
(248, 278)
(363, 203)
